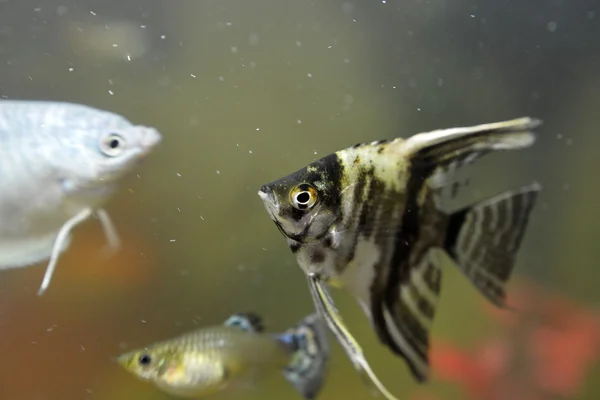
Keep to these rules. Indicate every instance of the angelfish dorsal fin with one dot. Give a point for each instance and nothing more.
(248, 321)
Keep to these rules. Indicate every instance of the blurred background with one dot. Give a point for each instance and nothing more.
(245, 92)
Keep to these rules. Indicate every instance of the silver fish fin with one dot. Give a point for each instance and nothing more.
(113, 241)
(484, 239)
(248, 322)
(59, 244)
(442, 152)
(408, 314)
(310, 356)
(326, 309)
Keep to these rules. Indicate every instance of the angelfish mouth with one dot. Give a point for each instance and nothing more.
(270, 206)
(267, 197)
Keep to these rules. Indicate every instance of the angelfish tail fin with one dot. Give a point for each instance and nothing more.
(484, 239)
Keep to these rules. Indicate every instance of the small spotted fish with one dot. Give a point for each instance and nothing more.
(59, 164)
(234, 355)
(368, 219)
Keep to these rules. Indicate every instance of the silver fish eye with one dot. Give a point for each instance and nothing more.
(303, 196)
(112, 144)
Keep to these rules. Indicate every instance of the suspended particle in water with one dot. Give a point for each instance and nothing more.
(253, 39)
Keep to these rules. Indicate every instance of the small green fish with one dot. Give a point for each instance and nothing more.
(368, 219)
(232, 355)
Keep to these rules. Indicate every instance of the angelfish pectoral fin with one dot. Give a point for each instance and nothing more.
(326, 308)
(59, 243)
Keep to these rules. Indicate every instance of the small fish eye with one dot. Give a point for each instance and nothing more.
(303, 196)
(145, 360)
(112, 145)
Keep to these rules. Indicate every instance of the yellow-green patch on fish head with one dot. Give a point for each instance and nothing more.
(151, 364)
(306, 204)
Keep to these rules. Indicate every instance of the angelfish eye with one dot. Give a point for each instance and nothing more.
(112, 144)
(303, 196)
(145, 360)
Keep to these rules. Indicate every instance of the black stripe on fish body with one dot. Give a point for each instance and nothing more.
(365, 176)
(334, 171)
(373, 200)
(295, 247)
(373, 205)
(387, 291)
(328, 241)
(316, 255)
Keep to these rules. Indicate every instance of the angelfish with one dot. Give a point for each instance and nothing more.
(234, 355)
(59, 164)
(369, 220)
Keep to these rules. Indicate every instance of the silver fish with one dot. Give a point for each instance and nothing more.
(59, 164)
(212, 359)
(368, 219)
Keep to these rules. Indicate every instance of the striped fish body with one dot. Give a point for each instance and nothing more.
(235, 354)
(59, 162)
(367, 219)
